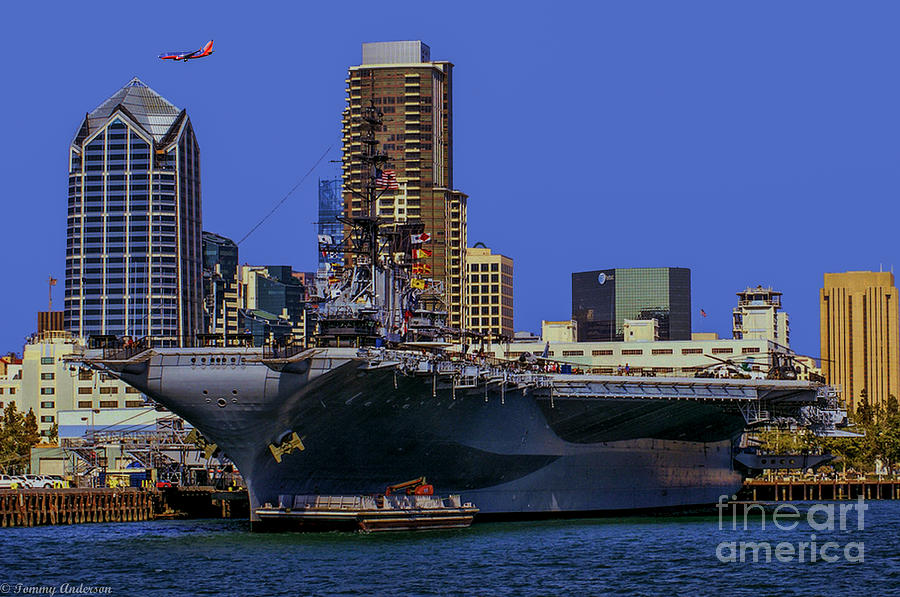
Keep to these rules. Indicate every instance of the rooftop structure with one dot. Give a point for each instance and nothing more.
(758, 315)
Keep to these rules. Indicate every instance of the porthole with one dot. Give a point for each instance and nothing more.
(221, 402)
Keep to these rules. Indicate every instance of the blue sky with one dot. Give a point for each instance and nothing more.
(755, 143)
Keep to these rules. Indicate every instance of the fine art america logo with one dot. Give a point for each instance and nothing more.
(820, 518)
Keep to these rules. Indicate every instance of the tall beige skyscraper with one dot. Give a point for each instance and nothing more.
(415, 95)
(859, 334)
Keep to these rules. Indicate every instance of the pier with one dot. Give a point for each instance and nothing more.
(35, 507)
(790, 489)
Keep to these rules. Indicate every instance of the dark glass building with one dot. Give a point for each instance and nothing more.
(603, 299)
(133, 251)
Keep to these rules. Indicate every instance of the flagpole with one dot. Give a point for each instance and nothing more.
(50, 293)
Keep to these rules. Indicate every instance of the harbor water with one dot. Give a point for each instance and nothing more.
(645, 556)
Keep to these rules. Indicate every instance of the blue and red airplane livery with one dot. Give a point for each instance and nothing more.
(190, 54)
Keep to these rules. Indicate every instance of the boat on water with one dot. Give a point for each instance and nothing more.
(387, 392)
(366, 514)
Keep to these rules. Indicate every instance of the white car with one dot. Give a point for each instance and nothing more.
(39, 481)
(9, 481)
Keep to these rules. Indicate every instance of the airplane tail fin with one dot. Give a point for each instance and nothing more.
(207, 49)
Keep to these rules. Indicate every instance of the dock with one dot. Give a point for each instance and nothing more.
(36, 507)
(789, 489)
(33, 507)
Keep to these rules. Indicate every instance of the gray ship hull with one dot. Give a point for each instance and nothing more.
(509, 451)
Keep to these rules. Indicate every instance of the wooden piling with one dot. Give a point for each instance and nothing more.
(32, 507)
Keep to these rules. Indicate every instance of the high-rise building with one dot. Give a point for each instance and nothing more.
(220, 284)
(603, 299)
(489, 292)
(415, 95)
(133, 254)
(331, 207)
(758, 315)
(859, 335)
(272, 304)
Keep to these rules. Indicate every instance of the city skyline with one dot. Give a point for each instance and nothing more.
(787, 169)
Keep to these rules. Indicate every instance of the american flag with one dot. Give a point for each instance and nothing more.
(386, 179)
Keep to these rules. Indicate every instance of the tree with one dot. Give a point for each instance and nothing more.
(31, 435)
(18, 434)
(12, 435)
(864, 414)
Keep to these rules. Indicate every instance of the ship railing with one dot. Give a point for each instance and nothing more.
(284, 351)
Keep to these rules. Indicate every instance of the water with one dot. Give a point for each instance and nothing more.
(645, 556)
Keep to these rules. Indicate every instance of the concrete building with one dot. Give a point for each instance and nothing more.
(859, 335)
(415, 94)
(603, 299)
(221, 290)
(758, 315)
(679, 358)
(44, 382)
(133, 254)
(489, 292)
(558, 331)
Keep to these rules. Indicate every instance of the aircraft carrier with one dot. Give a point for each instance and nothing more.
(514, 441)
(381, 397)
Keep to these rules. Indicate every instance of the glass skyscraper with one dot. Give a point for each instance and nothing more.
(603, 299)
(331, 207)
(133, 252)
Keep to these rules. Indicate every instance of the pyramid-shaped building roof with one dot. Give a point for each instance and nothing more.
(154, 113)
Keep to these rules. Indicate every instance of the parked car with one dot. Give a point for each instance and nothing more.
(14, 482)
(40, 481)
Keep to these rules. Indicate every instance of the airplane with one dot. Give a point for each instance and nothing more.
(189, 55)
